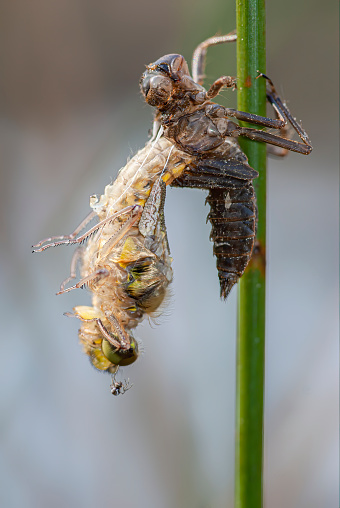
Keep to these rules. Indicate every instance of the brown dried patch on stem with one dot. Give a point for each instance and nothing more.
(247, 82)
(258, 258)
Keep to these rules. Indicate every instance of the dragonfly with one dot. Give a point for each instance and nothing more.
(124, 259)
(125, 262)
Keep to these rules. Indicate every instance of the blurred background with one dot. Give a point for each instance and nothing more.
(71, 115)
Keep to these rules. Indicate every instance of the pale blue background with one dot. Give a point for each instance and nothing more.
(71, 115)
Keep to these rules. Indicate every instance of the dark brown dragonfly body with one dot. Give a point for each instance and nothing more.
(203, 130)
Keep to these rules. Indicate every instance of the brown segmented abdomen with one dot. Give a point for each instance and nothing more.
(232, 213)
(233, 220)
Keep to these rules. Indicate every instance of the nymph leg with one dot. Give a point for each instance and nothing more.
(273, 139)
(198, 58)
(282, 112)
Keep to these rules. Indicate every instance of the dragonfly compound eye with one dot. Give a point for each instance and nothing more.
(120, 357)
(173, 65)
(164, 67)
(156, 88)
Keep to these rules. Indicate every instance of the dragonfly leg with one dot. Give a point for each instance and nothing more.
(73, 271)
(114, 341)
(64, 238)
(119, 339)
(70, 239)
(199, 55)
(135, 214)
(94, 277)
(121, 335)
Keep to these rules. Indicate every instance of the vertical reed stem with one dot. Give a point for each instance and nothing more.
(251, 57)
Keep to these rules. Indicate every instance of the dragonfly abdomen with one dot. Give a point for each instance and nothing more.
(233, 219)
(232, 213)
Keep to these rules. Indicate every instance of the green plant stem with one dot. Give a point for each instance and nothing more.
(251, 57)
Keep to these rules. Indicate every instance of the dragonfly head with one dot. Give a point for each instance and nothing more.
(120, 357)
(162, 78)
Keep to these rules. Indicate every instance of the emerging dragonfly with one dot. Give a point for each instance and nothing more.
(126, 263)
